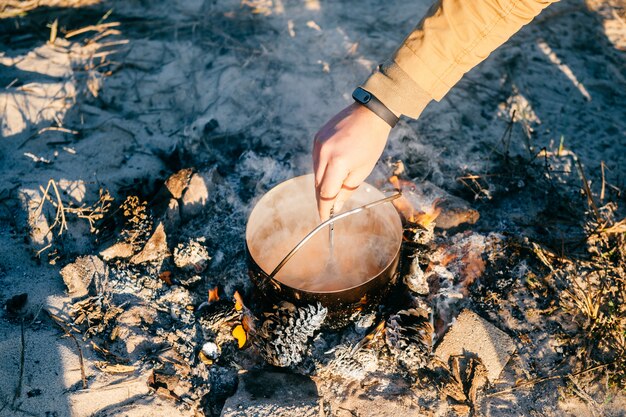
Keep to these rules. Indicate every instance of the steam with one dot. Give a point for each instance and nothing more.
(364, 244)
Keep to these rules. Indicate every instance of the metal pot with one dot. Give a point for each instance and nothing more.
(287, 213)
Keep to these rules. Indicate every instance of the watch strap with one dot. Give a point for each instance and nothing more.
(370, 101)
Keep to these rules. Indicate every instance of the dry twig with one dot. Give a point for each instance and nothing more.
(59, 322)
(18, 389)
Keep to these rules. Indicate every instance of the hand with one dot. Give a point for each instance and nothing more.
(345, 151)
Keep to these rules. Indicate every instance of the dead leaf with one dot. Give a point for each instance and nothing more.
(164, 385)
(166, 276)
(114, 369)
(204, 359)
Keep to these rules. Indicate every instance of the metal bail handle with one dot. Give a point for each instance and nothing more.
(326, 223)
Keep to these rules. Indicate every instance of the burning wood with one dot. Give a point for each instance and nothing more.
(408, 210)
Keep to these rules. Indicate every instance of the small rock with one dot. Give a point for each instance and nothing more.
(177, 182)
(210, 350)
(33, 393)
(118, 250)
(474, 335)
(197, 193)
(272, 394)
(192, 256)
(79, 275)
(155, 248)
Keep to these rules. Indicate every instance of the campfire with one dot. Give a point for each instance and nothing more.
(395, 328)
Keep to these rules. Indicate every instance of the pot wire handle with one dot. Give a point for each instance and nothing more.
(326, 223)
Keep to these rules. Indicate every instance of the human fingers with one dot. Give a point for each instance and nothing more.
(319, 165)
(349, 186)
(329, 188)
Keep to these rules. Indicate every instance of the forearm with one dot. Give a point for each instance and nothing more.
(450, 40)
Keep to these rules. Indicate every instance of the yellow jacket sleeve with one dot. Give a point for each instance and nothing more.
(453, 37)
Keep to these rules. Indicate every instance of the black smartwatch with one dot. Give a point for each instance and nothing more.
(375, 105)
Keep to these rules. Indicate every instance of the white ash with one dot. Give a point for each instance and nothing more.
(132, 280)
(192, 255)
(363, 322)
(456, 264)
(415, 279)
(178, 301)
(425, 234)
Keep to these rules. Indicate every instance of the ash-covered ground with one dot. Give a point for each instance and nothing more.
(104, 103)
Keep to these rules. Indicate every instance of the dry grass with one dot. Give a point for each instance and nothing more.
(13, 8)
(595, 295)
(91, 213)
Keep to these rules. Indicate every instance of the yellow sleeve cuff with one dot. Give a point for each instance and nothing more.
(396, 90)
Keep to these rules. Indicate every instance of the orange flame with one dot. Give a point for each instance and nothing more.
(213, 295)
(379, 328)
(426, 218)
(239, 305)
(406, 209)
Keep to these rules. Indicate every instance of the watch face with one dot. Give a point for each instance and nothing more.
(361, 95)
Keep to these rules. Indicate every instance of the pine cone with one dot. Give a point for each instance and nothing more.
(409, 337)
(351, 365)
(283, 337)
